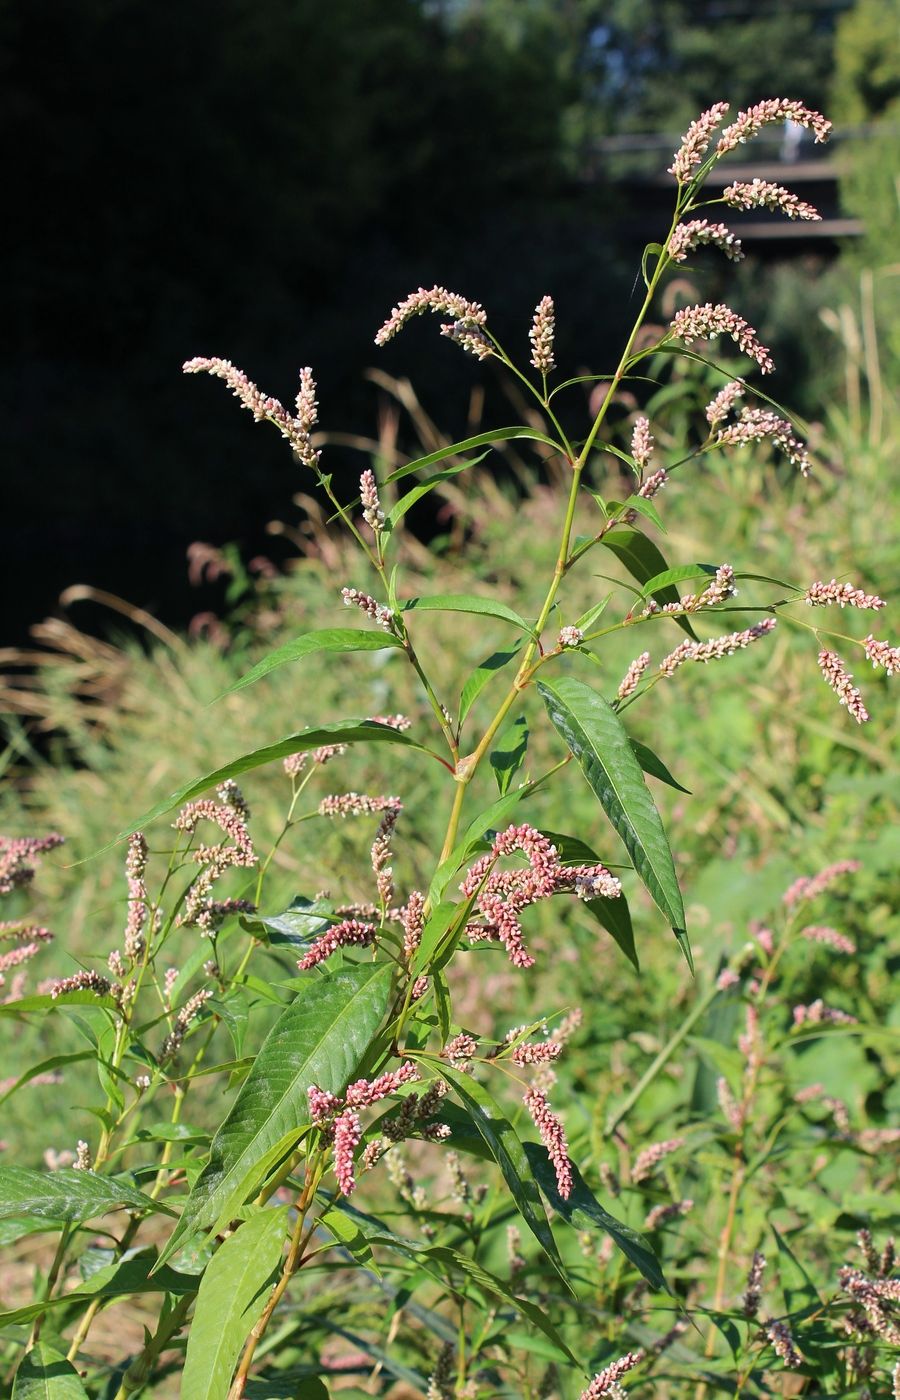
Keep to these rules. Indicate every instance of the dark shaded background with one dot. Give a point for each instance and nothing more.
(263, 182)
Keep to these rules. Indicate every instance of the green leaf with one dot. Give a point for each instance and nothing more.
(652, 764)
(480, 677)
(652, 250)
(437, 925)
(588, 619)
(46, 1067)
(509, 755)
(67, 1195)
(417, 492)
(594, 733)
(233, 1292)
(509, 1153)
(644, 561)
(302, 921)
(489, 1282)
(348, 1234)
(453, 449)
(330, 639)
(615, 916)
(465, 603)
(45, 1374)
(121, 1279)
(582, 1210)
(348, 731)
(646, 508)
(319, 1039)
(58, 1003)
(612, 914)
(680, 574)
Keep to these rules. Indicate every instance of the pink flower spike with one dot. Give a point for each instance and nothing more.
(774, 109)
(821, 933)
(347, 1134)
(343, 935)
(819, 595)
(695, 141)
(882, 654)
(541, 336)
(700, 232)
(606, 1382)
(762, 194)
(365, 1092)
(553, 1137)
(436, 299)
(630, 681)
(641, 443)
(839, 678)
(707, 322)
(720, 407)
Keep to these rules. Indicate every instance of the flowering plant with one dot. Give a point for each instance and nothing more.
(365, 1049)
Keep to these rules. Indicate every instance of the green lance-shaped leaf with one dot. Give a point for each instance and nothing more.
(453, 449)
(45, 1067)
(417, 492)
(45, 1374)
(465, 603)
(480, 677)
(583, 1211)
(319, 1039)
(121, 1279)
(233, 1292)
(67, 1195)
(653, 764)
(340, 639)
(348, 731)
(612, 914)
(302, 921)
(45, 1003)
(595, 735)
(493, 817)
(644, 561)
(508, 1152)
(680, 574)
(509, 754)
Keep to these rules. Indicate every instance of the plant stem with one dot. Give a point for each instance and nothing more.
(140, 1370)
(313, 1173)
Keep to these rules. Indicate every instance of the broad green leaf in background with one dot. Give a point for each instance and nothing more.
(595, 735)
(480, 677)
(319, 1039)
(583, 1211)
(45, 1374)
(465, 603)
(233, 1292)
(348, 731)
(66, 1194)
(509, 755)
(302, 921)
(341, 639)
(508, 1152)
(644, 561)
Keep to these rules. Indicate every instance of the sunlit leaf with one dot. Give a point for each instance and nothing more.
(336, 639)
(233, 1292)
(595, 735)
